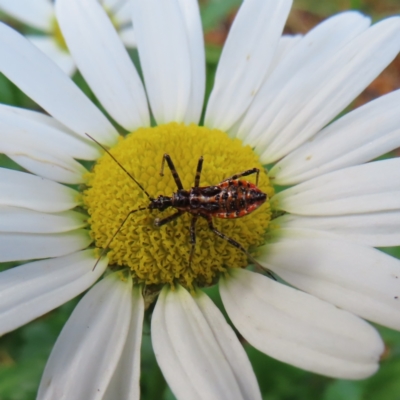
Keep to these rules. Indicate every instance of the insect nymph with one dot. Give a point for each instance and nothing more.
(231, 198)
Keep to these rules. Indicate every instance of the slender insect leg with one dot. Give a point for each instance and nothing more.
(198, 172)
(163, 221)
(245, 173)
(116, 233)
(172, 168)
(192, 239)
(237, 245)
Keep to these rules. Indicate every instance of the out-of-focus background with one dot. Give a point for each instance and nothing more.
(23, 353)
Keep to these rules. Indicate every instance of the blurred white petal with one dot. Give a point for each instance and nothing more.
(21, 189)
(194, 33)
(121, 13)
(39, 78)
(360, 136)
(87, 351)
(230, 346)
(39, 148)
(128, 37)
(300, 329)
(50, 167)
(38, 13)
(286, 43)
(43, 133)
(307, 105)
(31, 246)
(33, 289)
(377, 229)
(60, 56)
(316, 47)
(124, 384)
(103, 61)
(371, 187)
(354, 277)
(245, 60)
(23, 220)
(196, 356)
(161, 34)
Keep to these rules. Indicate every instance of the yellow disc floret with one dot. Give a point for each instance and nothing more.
(159, 255)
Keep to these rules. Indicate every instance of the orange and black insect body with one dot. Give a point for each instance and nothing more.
(231, 198)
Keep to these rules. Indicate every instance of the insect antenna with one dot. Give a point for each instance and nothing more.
(123, 168)
(116, 233)
(130, 212)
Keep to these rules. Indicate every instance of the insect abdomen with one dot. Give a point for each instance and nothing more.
(230, 199)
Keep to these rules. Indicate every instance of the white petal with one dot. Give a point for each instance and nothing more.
(39, 148)
(38, 77)
(52, 50)
(318, 45)
(361, 135)
(230, 346)
(308, 104)
(194, 33)
(354, 277)
(128, 37)
(113, 4)
(379, 229)
(30, 246)
(165, 57)
(189, 352)
(29, 191)
(38, 13)
(245, 59)
(103, 61)
(22, 220)
(33, 289)
(124, 384)
(87, 351)
(56, 135)
(300, 329)
(285, 45)
(371, 187)
(121, 12)
(47, 166)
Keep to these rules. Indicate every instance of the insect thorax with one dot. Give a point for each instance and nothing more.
(161, 203)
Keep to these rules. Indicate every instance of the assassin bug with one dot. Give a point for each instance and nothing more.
(231, 198)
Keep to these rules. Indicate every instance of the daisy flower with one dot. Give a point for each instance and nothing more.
(40, 15)
(272, 103)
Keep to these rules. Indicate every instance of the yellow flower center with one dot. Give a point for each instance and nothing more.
(160, 255)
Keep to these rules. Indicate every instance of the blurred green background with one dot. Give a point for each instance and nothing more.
(23, 353)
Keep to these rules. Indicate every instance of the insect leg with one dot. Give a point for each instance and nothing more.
(116, 233)
(192, 239)
(163, 221)
(198, 172)
(245, 173)
(237, 245)
(173, 170)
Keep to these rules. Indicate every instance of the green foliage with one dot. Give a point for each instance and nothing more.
(153, 385)
(24, 352)
(213, 11)
(343, 390)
